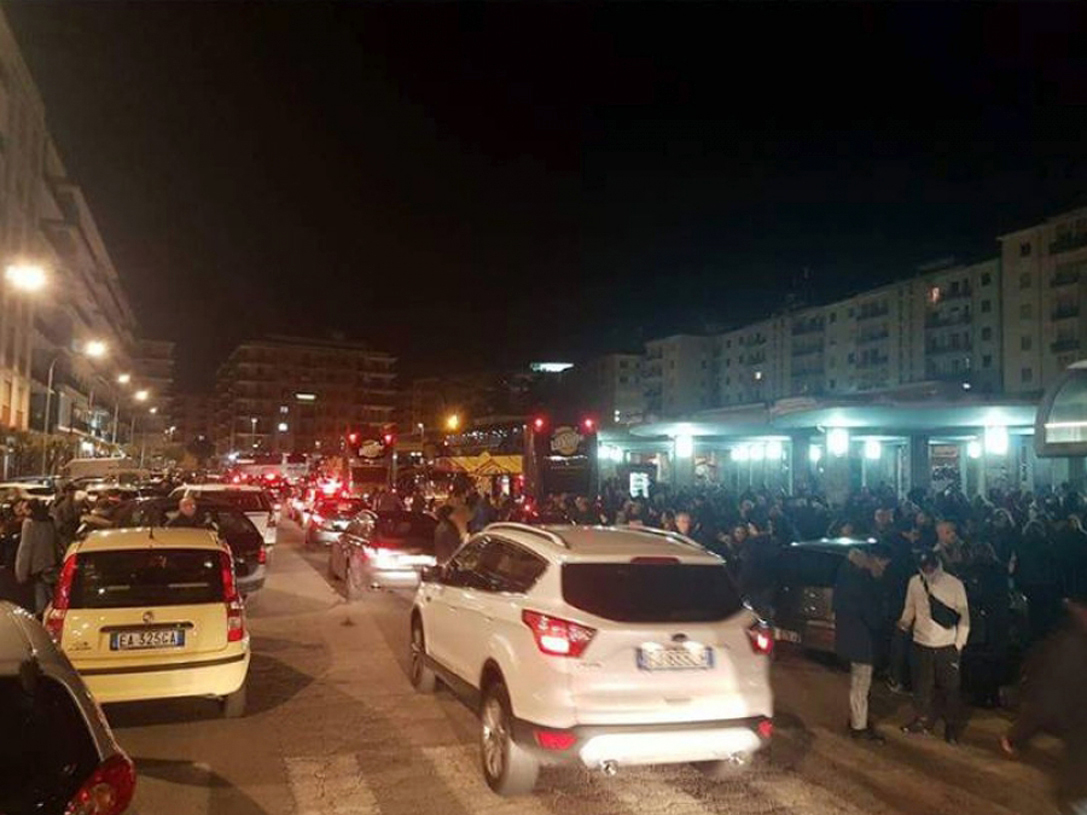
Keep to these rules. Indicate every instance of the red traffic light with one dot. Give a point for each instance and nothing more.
(353, 438)
(589, 425)
(388, 439)
(538, 423)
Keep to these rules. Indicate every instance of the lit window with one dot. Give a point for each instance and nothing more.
(934, 295)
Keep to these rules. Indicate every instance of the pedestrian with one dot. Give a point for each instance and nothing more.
(66, 513)
(37, 557)
(860, 612)
(447, 536)
(1055, 702)
(937, 611)
(187, 516)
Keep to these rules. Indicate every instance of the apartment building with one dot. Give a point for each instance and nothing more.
(749, 363)
(610, 386)
(193, 416)
(677, 376)
(291, 394)
(1044, 274)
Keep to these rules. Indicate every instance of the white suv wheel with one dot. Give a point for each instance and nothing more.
(422, 677)
(507, 767)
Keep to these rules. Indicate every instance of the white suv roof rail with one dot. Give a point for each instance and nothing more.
(546, 534)
(672, 536)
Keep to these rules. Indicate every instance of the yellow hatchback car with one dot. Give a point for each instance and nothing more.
(152, 613)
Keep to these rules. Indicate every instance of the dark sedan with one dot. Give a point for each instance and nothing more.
(244, 539)
(383, 550)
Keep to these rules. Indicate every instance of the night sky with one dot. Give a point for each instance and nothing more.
(471, 186)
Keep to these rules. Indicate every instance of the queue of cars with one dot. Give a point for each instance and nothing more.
(145, 608)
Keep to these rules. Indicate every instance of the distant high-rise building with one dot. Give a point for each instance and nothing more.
(1044, 272)
(291, 394)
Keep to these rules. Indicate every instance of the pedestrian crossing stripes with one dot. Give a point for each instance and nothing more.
(330, 786)
(458, 768)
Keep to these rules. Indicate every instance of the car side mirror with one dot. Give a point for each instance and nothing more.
(431, 574)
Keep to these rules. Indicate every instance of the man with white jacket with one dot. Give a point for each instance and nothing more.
(936, 609)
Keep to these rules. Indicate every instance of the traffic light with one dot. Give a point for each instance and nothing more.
(389, 438)
(353, 438)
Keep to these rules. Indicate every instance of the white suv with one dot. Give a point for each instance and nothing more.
(602, 646)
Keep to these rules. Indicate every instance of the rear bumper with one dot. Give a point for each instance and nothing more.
(214, 677)
(632, 745)
(254, 581)
(393, 578)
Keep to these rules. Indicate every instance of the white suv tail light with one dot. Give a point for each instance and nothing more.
(557, 637)
(762, 638)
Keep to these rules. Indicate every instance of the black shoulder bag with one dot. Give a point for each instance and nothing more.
(942, 614)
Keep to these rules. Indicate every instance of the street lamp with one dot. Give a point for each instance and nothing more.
(124, 379)
(28, 277)
(93, 348)
(142, 396)
(452, 422)
(153, 411)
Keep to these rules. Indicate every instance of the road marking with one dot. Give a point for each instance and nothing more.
(458, 768)
(330, 786)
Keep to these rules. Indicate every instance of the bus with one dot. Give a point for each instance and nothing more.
(560, 456)
(372, 464)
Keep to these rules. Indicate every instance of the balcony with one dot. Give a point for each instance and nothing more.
(1067, 278)
(1068, 242)
(873, 312)
(935, 349)
(873, 336)
(872, 362)
(1065, 311)
(806, 350)
(961, 293)
(807, 327)
(1065, 344)
(941, 321)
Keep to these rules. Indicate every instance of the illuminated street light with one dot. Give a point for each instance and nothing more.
(96, 349)
(124, 379)
(26, 277)
(153, 410)
(142, 396)
(684, 446)
(838, 441)
(452, 422)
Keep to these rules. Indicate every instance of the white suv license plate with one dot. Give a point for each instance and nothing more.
(674, 659)
(140, 640)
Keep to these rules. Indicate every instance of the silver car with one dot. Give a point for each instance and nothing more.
(383, 550)
(329, 518)
(57, 753)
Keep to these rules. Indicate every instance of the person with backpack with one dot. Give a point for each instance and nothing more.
(938, 613)
(38, 555)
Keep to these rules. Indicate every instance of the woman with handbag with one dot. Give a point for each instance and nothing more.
(36, 559)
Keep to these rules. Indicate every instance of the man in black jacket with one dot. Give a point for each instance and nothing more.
(860, 612)
(1055, 702)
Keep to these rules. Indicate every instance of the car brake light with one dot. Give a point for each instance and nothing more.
(552, 740)
(109, 789)
(762, 640)
(235, 611)
(766, 729)
(262, 555)
(54, 619)
(558, 637)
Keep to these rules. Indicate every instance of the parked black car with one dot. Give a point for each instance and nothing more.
(806, 572)
(244, 539)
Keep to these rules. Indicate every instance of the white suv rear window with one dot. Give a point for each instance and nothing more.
(147, 577)
(651, 592)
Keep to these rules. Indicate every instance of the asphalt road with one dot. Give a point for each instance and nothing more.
(334, 728)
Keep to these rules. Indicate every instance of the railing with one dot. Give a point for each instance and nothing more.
(956, 294)
(873, 313)
(948, 349)
(935, 321)
(1066, 311)
(1064, 279)
(1066, 243)
(873, 337)
(812, 327)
